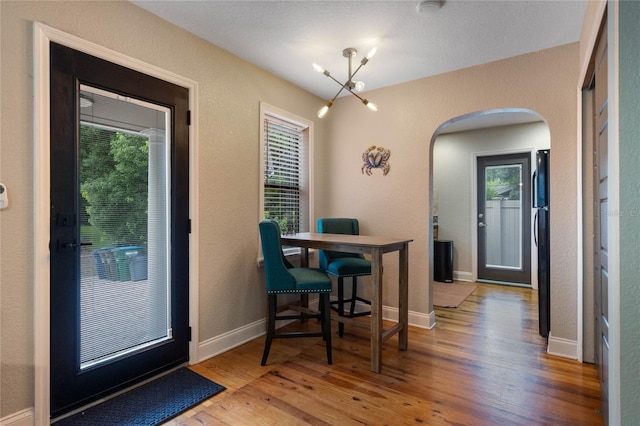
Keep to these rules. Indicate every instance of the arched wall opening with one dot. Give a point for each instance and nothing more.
(455, 148)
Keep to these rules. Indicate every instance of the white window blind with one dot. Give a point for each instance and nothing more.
(124, 300)
(282, 173)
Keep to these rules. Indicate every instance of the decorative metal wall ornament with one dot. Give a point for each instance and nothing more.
(376, 157)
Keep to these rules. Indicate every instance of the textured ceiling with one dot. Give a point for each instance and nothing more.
(286, 37)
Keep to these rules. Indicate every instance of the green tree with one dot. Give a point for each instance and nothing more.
(114, 184)
(503, 180)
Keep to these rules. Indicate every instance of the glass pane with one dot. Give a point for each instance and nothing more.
(282, 175)
(124, 217)
(503, 195)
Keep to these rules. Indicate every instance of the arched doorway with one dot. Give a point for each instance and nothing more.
(457, 145)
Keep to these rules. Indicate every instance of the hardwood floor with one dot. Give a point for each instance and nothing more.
(483, 364)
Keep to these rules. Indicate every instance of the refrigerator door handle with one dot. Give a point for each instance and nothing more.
(534, 196)
(535, 227)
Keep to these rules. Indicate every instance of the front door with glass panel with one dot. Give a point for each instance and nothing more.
(504, 219)
(119, 228)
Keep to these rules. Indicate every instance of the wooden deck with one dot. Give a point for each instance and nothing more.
(483, 364)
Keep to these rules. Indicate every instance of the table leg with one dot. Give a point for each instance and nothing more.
(304, 257)
(403, 302)
(304, 263)
(376, 310)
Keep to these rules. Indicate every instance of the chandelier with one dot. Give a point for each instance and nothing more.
(350, 85)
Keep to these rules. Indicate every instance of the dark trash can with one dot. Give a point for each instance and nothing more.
(443, 261)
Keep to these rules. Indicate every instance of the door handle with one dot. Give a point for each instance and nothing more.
(70, 244)
(482, 225)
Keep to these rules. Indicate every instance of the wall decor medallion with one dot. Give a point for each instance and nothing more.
(376, 157)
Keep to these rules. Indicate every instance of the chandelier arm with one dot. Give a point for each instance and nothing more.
(344, 85)
(353, 93)
(339, 91)
(354, 73)
(334, 79)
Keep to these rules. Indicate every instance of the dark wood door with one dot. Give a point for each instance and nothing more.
(119, 244)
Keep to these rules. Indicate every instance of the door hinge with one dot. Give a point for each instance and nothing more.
(189, 333)
(189, 226)
(188, 117)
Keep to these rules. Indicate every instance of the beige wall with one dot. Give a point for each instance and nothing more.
(408, 116)
(230, 90)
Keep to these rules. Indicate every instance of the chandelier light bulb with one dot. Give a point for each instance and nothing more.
(317, 68)
(372, 52)
(359, 86)
(370, 105)
(323, 111)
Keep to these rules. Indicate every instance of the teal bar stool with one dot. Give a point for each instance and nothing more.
(341, 265)
(283, 278)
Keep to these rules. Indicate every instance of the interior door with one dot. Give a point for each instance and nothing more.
(600, 209)
(504, 219)
(119, 244)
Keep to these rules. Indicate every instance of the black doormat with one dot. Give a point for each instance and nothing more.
(150, 404)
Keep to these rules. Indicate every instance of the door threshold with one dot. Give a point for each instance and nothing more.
(504, 283)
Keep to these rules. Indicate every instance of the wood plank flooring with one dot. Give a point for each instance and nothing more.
(483, 364)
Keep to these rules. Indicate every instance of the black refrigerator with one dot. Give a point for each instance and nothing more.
(541, 238)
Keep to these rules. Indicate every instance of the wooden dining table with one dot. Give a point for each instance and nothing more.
(375, 246)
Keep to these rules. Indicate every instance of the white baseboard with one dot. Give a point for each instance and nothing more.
(432, 319)
(562, 347)
(463, 276)
(21, 418)
(416, 319)
(227, 341)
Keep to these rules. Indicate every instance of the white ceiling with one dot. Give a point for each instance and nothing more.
(286, 37)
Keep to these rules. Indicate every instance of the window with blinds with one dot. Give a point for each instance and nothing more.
(283, 173)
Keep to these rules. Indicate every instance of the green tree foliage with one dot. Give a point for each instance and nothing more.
(504, 182)
(114, 184)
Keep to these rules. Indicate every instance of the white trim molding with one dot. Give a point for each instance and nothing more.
(21, 418)
(43, 35)
(416, 319)
(562, 347)
(231, 339)
(234, 338)
(463, 276)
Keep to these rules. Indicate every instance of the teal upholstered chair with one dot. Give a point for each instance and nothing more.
(282, 278)
(341, 265)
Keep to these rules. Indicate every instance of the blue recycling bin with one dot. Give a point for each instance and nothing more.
(99, 265)
(105, 263)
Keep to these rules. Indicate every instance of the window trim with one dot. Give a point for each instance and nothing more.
(267, 110)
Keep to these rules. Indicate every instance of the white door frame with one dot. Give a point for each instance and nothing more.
(43, 35)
